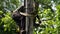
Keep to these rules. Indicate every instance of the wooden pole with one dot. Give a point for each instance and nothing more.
(29, 19)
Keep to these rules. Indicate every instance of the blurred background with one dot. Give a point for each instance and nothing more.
(49, 12)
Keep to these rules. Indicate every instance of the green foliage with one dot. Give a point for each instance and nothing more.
(44, 1)
(7, 25)
(50, 19)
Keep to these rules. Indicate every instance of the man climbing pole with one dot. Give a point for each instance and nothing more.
(25, 16)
